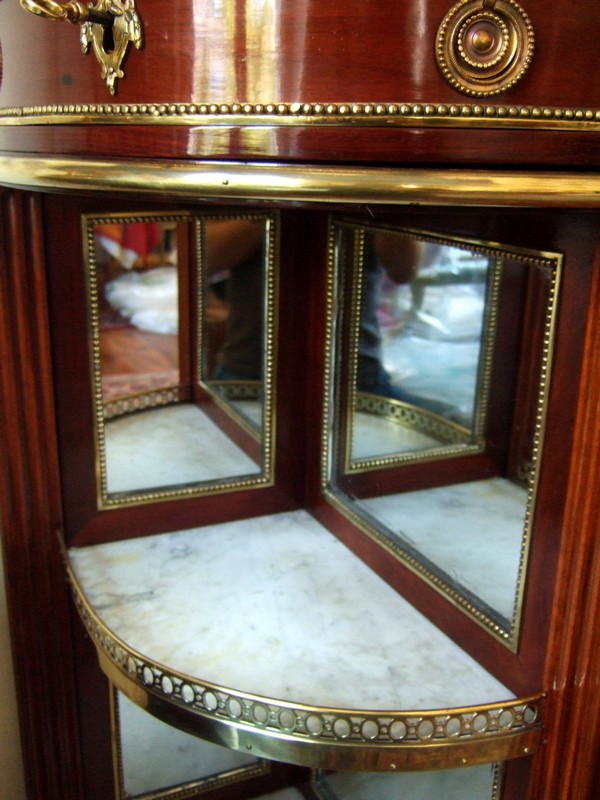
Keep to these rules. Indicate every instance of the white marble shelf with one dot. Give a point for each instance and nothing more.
(272, 627)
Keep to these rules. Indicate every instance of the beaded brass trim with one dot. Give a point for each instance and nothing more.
(401, 114)
(312, 735)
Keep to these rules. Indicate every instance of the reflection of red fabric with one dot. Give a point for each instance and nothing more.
(129, 241)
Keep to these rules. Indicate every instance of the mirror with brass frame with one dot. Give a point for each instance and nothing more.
(176, 303)
(155, 761)
(438, 383)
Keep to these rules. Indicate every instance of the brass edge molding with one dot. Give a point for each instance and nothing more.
(312, 735)
(402, 114)
(224, 180)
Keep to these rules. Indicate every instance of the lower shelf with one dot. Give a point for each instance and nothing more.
(269, 637)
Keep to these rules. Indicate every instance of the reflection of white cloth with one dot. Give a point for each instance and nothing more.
(147, 299)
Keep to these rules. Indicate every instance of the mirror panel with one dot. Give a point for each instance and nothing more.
(158, 329)
(236, 319)
(437, 389)
(420, 359)
(154, 760)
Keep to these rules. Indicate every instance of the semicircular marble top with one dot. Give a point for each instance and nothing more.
(277, 606)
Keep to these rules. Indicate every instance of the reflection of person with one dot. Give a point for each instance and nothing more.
(398, 257)
(234, 257)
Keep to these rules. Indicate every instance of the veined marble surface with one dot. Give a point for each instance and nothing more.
(470, 783)
(170, 446)
(472, 531)
(277, 606)
(374, 435)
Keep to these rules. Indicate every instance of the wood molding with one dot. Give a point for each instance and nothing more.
(567, 764)
(29, 497)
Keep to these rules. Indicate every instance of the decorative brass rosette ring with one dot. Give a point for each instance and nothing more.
(483, 47)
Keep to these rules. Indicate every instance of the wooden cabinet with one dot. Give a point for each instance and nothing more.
(444, 233)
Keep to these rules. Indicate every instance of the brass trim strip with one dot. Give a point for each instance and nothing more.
(389, 114)
(315, 736)
(309, 183)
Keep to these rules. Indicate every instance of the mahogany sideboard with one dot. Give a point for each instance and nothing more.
(300, 324)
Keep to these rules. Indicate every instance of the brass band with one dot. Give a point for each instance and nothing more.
(302, 183)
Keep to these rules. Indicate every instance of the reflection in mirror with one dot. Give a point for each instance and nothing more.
(160, 320)
(155, 760)
(439, 381)
(234, 329)
(420, 310)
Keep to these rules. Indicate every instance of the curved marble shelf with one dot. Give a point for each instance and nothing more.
(318, 648)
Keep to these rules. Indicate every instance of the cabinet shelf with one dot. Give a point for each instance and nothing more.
(255, 608)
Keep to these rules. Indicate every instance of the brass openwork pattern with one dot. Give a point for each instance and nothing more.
(412, 417)
(409, 114)
(318, 725)
(142, 401)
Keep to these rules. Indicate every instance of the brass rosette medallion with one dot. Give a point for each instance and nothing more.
(483, 47)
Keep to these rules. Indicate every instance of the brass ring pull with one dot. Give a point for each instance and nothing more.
(484, 47)
(109, 26)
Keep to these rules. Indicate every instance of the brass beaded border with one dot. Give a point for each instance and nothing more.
(315, 725)
(402, 114)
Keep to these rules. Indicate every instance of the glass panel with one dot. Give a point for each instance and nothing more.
(232, 360)
(164, 326)
(420, 312)
(436, 405)
(152, 756)
(469, 783)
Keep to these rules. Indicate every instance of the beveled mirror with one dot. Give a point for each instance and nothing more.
(437, 390)
(182, 319)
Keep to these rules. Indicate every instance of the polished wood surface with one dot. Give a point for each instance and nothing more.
(290, 52)
(287, 51)
(128, 350)
(38, 601)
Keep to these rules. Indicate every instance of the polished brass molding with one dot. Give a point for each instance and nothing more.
(483, 47)
(389, 114)
(223, 180)
(315, 736)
